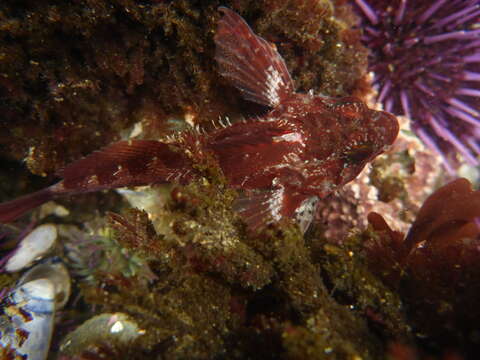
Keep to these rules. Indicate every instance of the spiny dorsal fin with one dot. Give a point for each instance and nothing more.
(252, 64)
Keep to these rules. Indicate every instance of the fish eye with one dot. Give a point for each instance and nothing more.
(358, 154)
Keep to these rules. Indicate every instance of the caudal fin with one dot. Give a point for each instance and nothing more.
(12, 210)
(127, 163)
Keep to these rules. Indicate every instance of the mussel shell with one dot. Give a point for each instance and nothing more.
(118, 330)
(54, 270)
(32, 247)
(27, 323)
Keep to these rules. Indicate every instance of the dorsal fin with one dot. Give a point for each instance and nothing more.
(252, 64)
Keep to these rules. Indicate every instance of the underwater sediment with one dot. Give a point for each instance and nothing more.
(172, 271)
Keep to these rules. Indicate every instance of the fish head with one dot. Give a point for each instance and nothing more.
(342, 134)
(365, 134)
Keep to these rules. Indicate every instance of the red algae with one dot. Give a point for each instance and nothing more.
(436, 267)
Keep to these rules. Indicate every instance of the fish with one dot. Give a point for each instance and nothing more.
(303, 148)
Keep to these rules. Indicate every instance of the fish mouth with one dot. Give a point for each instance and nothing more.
(388, 125)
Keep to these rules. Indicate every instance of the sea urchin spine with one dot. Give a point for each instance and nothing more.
(425, 57)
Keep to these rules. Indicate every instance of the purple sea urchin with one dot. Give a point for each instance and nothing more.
(425, 56)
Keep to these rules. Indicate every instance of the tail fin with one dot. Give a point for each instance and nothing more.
(12, 210)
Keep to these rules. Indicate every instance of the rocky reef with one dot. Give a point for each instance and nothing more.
(75, 75)
(172, 271)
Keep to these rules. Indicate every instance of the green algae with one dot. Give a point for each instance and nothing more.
(216, 290)
(347, 272)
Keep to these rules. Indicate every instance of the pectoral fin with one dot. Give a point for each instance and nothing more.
(262, 207)
(253, 65)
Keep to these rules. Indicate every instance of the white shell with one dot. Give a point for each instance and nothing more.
(29, 310)
(53, 270)
(33, 247)
(111, 328)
